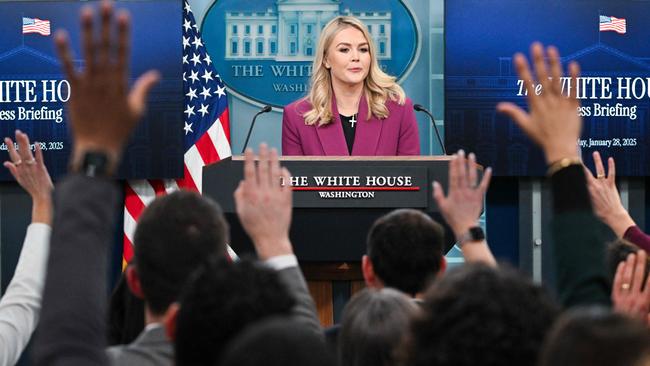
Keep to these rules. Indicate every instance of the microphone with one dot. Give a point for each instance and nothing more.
(420, 108)
(266, 109)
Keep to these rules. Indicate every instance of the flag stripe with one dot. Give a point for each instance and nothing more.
(137, 198)
(194, 164)
(618, 25)
(219, 139)
(158, 186)
(129, 225)
(128, 249)
(225, 116)
(205, 147)
(207, 135)
(35, 25)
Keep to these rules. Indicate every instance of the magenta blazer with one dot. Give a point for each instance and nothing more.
(395, 135)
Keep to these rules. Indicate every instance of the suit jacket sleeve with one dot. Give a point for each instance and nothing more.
(634, 235)
(305, 309)
(21, 303)
(578, 244)
(73, 321)
(409, 136)
(291, 144)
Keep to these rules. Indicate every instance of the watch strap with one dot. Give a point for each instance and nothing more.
(473, 234)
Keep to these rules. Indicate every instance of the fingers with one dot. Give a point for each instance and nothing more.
(638, 271)
(556, 69)
(249, 167)
(574, 72)
(39, 153)
(24, 149)
(454, 173)
(611, 170)
(523, 70)
(438, 194)
(105, 37)
(462, 169)
(263, 167)
(485, 181)
(286, 178)
(123, 45)
(65, 55)
(11, 149)
(628, 271)
(87, 38)
(537, 53)
(521, 117)
(140, 91)
(617, 287)
(276, 172)
(598, 163)
(12, 169)
(589, 176)
(472, 176)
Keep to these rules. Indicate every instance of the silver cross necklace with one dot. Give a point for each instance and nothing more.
(353, 120)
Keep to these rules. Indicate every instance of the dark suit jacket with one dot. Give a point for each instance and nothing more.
(72, 329)
(395, 135)
(578, 242)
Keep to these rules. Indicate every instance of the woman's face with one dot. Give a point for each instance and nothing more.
(348, 57)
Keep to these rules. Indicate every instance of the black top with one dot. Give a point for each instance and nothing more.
(348, 129)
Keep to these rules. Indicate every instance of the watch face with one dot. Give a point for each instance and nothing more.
(95, 164)
(476, 233)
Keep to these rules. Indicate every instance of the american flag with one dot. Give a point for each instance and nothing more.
(617, 25)
(206, 130)
(35, 25)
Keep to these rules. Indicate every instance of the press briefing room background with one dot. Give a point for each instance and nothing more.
(452, 57)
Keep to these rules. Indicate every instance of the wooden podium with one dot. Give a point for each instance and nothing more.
(336, 200)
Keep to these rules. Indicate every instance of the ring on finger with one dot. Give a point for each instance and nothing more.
(600, 176)
(18, 162)
(625, 286)
(31, 161)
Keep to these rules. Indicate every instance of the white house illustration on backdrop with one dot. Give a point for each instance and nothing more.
(289, 30)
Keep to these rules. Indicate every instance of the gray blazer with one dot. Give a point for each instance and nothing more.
(305, 309)
(150, 348)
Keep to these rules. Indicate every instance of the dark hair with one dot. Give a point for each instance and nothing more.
(479, 315)
(174, 234)
(617, 251)
(219, 302)
(278, 341)
(405, 248)
(374, 323)
(125, 314)
(596, 337)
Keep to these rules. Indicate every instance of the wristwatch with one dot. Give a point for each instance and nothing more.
(95, 164)
(475, 233)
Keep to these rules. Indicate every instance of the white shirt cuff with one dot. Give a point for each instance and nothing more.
(281, 262)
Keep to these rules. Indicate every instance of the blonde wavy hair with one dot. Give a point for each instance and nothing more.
(378, 86)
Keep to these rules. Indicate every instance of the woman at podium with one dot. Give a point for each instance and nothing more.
(353, 107)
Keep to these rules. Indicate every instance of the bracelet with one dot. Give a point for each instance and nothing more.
(561, 164)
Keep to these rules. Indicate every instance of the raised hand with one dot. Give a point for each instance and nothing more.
(30, 172)
(552, 122)
(605, 197)
(102, 109)
(463, 204)
(630, 294)
(264, 205)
